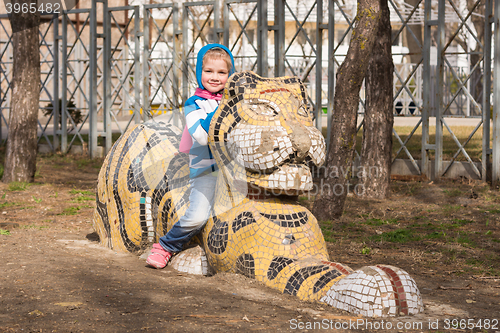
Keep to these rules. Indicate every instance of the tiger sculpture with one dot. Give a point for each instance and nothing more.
(263, 139)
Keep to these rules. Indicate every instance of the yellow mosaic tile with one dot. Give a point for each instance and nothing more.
(263, 139)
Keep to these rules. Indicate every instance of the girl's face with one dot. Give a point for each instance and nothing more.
(214, 75)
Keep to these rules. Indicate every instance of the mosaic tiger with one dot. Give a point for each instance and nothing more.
(264, 142)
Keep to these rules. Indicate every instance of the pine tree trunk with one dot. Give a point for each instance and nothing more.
(376, 150)
(20, 158)
(334, 186)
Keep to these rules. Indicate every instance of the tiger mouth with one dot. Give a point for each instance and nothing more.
(275, 159)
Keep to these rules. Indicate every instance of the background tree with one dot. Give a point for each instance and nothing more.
(376, 149)
(329, 202)
(20, 157)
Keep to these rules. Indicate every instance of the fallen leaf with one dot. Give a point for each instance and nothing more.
(470, 301)
(38, 313)
(245, 318)
(69, 303)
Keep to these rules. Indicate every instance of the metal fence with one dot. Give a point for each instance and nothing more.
(106, 68)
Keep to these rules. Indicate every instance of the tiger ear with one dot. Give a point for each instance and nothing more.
(232, 89)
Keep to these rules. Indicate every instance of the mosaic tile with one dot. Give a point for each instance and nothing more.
(264, 141)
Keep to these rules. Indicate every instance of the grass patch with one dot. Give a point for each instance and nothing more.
(7, 204)
(34, 227)
(457, 223)
(328, 233)
(473, 262)
(462, 222)
(82, 198)
(378, 222)
(18, 186)
(396, 236)
(27, 207)
(366, 250)
(436, 235)
(82, 192)
(82, 195)
(86, 162)
(453, 193)
(70, 211)
(451, 208)
(463, 239)
(4, 232)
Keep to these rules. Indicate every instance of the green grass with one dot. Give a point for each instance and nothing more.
(463, 238)
(34, 227)
(436, 235)
(447, 209)
(461, 222)
(18, 186)
(85, 162)
(82, 199)
(70, 211)
(82, 195)
(396, 236)
(328, 234)
(366, 250)
(378, 222)
(82, 192)
(4, 232)
(7, 204)
(453, 193)
(26, 207)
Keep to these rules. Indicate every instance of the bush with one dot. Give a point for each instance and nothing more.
(74, 112)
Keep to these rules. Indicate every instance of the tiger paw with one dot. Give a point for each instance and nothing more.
(376, 291)
(192, 261)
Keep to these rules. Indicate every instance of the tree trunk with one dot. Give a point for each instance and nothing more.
(414, 45)
(376, 150)
(334, 186)
(20, 158)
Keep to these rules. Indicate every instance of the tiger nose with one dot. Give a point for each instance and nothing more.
(301, 140)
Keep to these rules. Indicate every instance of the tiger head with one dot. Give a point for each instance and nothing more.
(266, 127)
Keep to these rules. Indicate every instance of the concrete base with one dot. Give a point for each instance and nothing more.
(458, 169)
(404, 169)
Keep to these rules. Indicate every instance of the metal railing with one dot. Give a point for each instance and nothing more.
(122, 65)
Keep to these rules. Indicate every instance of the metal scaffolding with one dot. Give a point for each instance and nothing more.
(122, 65)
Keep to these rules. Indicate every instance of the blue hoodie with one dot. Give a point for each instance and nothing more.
(199, 112)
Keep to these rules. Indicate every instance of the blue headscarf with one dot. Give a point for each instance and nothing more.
(199, 60)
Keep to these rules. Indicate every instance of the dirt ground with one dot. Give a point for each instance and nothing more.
(55, 277)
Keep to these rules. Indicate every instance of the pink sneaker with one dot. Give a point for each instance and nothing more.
(158, 257)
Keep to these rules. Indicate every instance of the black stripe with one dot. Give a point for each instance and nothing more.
(323, 281)
(277, 265)
(242, 220)
(295, 281)
(287, 220)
